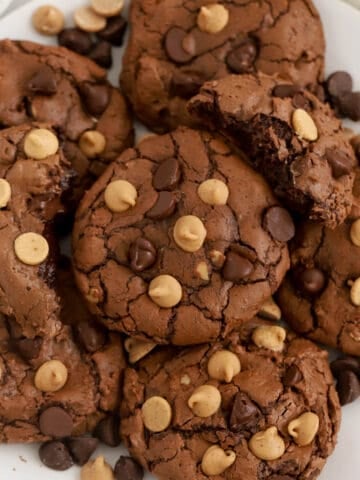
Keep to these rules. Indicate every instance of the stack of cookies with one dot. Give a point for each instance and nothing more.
(171, 339)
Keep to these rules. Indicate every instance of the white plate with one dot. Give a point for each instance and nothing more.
(342, 22)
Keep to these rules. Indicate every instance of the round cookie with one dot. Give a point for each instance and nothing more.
(175, 47)
(236, 409)
(179, 241)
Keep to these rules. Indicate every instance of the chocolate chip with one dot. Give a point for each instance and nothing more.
(127, 469)
(114, 31)
(142, 254)
(348, 387)
(319, 91)
(339, 162)
(242, 58)
(300, 101)
(43, 82)
(107, 431)
(55, 422)
(310, 281)
(280, 225)
(292, 376)
(179, 45)
(91, 337)
(95, 97)
(286, 90)
(76, 40)
(167, 175)
(349, 105)
(185, 85)
(81, 448)
(164, 206)
(55, 455)
(244, 413)
(345, 363)
(102, 54)
(339, 83)
(237, 267)
(28, 348)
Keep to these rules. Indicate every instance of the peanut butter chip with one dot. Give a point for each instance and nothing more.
(86, 19)
(51, 376)
(355, 232)
(224, 366)
(216, 460)
(213, 18)
(304, 428)
(304, 125)
(40, 143)
(165, 291)
(205, 401)
(97, 469)
(355, 292)
(213, 192)
(120, 195)
(5, 192)
(270, 337)
(107, 8)
(267, 445)
(137, 349)
(48, 20)
(31, 248)
(92, 143)
(156, 414)
(270, 310)
(189, 233)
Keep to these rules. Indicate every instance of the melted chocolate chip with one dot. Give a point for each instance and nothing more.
(310, 281)
(164, 206)
(237, 267)
(76, 40)
(142, 254)
(292, 376)
(95, 97)
(167, 175)
(242, 58)
(55, 455)
(127, 469)
(91, 337)
(81, 448)
(102, 54)
(179, 45)
(286, 91)
(55, 422)
(107, 431)
(345, 363)
(185, 85)
(244, 413)
(43, 82)
(28, 348)
(348, 387)
(114, 31)
(339, 83)
(280, 225)
(339, 162)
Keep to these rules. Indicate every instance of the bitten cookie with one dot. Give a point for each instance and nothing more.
(291, 137)
(179, 240)
(260, 405)
(176, 46)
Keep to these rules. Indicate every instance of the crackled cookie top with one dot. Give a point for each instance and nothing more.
(175, 46)
(260, 405)
(179, 240)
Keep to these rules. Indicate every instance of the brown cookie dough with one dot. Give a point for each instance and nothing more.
(176, 46)
(233, 409)
(291, 137)
(179, 240)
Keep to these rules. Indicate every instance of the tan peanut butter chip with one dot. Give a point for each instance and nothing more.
(267, 445)
(189, 233)
(137, 349)
(48, 20)
(271, 337)
(156, 414)
(270, 310)
(120, 195)
(304, 125)
(107, 8)
(205, 401)
(5, 192)
(224, 366)
(165, 291)
(40, 143)
(51, 376)
(213, 192)
(355, 232)
(216, 460)
(97, 469)
(31, 248)
(304, 428)
(213, 18)
(92, 143)
(86, 19)
(355, 292)
(202, 271)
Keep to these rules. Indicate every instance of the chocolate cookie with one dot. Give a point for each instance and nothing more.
(260, 405)
(176, 46)
(179, 240)
(290, 136)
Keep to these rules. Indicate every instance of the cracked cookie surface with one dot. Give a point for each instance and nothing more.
(272, 391)
(223, 260)
(171, 54)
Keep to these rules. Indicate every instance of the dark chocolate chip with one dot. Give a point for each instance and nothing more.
(244, 413)
(76, 40)
(339, 83)
(107, 431)
(167, 175)
(292, 376)
(142, 254)
(81, 448)
(345, 363)
(280, 225)
(185, 85)
(310, 281)
(242, 58)
(28, 348)
(43, 82)
(164, 206)
(348, 387)
(286, 90)
(349, 105)
(300, 101)
(114, 31)
(127, 469)
(55, 422)
(91, 337)
(237, 267)
(340, 163)
(179, 45)
(95, 97)
(102, 54)
(55, 455)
